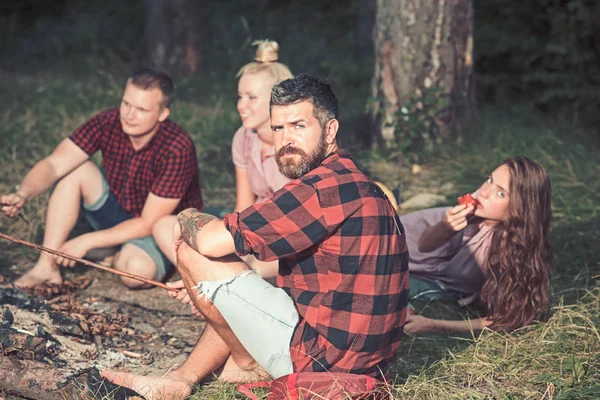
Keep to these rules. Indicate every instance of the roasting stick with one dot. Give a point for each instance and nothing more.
(86, 262)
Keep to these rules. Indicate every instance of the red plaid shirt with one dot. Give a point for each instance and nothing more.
(342, 261)
(166, 166)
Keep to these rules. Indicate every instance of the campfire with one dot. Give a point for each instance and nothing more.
(54, 337)
(51, 338)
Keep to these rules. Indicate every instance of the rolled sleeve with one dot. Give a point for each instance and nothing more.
(288, 223)
(232, 224)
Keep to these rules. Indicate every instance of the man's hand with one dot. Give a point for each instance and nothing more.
(183, 296)
(418, 324)
(12, 204)
(77, 247)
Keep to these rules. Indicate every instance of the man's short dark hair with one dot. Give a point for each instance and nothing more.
(149, 78)
(307, 88)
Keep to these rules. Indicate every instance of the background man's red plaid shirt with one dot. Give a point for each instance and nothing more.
(342, 261)
(166, 166)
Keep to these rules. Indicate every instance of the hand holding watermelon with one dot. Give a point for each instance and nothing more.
(467, 200)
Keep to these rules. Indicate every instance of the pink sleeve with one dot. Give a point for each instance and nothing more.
(238, 150)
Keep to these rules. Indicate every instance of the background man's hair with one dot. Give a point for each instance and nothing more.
(307, 88)
(149, 78)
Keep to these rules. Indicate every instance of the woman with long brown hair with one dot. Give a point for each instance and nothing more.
(497, 251)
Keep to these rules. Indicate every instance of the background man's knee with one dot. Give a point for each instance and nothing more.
(140, 266)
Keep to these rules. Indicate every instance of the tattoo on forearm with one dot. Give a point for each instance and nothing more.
(191, 221)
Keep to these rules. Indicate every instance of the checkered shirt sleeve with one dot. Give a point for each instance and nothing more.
(291, 221)
(177, 170)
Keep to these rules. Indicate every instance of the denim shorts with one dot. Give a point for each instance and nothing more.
(428, 289)
(432, 290)
(106, 212)
(263, 317)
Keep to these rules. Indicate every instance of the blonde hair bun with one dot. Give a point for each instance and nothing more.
(266, 61)
(266, 51)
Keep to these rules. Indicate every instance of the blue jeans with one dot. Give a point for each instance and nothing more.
(107, 212)
(428, 290)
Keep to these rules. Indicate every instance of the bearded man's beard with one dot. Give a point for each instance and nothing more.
(293, 168)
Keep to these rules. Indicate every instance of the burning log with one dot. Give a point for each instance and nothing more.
(47, 335)
(36, 380)
(52, 335)
(39, 381)
(22, 345)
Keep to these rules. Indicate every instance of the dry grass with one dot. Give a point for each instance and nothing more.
(556, 359)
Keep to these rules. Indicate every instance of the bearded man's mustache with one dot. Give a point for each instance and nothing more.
(290, 150)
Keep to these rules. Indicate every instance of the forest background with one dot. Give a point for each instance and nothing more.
(537, 72)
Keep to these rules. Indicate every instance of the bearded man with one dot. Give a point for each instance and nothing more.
(341, 295)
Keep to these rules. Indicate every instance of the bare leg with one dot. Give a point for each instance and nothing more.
(84, 183)
(232, 373)
(214, 347)
(136, 261)
(163, 234)
(195, 268)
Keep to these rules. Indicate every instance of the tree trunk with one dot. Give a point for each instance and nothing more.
(423, 87)
(173, 35)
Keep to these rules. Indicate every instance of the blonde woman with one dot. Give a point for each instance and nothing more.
(256, 173)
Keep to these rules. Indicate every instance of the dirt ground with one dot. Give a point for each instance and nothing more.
(156, 333)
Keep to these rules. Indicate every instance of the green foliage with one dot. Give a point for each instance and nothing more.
(71, 34)
(545, 51)
(562, 352)
(414, 123)
(416, 127)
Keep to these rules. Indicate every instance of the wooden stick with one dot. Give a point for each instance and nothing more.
(88, 263)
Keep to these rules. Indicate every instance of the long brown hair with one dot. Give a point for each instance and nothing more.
(518, 268)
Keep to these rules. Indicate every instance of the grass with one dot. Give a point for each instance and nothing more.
(558, 359)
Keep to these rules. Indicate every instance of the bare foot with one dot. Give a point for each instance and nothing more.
(107, 261)
(40, 273)
(168, 387)
(231, 373)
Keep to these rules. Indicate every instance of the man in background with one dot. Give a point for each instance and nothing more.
(149, 170)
